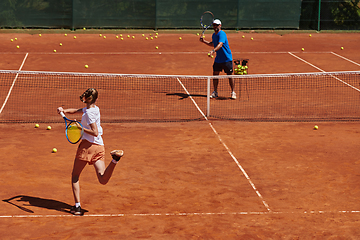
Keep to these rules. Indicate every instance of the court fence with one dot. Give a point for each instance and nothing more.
(164, 14)
(30, 96)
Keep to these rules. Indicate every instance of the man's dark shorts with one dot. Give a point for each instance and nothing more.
(227, 67)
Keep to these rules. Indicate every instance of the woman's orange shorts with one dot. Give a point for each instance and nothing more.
(90, 152)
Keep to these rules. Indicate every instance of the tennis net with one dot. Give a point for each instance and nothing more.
(30, 96)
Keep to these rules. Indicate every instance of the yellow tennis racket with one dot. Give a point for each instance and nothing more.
(73, 129)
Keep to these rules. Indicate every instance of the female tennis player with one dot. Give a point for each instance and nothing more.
(91, 148)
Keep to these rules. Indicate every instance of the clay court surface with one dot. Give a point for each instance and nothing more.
(207, 179)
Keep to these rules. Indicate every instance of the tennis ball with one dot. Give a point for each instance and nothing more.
(104, 37)
(143, 35)
(243, 36)
(316, 127)
(54, 50)
(15, 39)
(48, 128)
(84, 28)
(180, 38)
(39, 35)
(133, 37)
(11, 40)
(100, 35)
(252, 38)
(146, 38)
(65, 35)
(54, 150)
(121, 38)
(157, 33)
(197, 34)
(60, 44)
(37, 125)
(86, 66)
(17, 46)
(74, 37)
(302, 49)
(117, 36)
(157, 47)
(156, 36)
(310, 35)
(128, 36)
(342, 48)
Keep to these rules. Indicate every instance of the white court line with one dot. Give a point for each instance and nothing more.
(345, 58)
(8, 95)
(149, 53)
(177, 214)
(229, 151)
(192, 99)
(325, 72)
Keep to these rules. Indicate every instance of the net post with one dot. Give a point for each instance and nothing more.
(208, 98)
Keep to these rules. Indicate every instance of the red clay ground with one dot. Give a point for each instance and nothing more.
(177, 180)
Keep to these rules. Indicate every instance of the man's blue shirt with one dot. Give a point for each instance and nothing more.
(223, 54)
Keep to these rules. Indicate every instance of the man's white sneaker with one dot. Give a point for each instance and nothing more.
(214, 95)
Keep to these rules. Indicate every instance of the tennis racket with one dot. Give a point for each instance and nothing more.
(206, 20)
(74, 130)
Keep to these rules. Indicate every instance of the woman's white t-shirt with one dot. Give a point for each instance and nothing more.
(92, 115)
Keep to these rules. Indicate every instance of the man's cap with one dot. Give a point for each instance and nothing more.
(217, 21)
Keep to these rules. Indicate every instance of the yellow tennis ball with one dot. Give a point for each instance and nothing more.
(133, 37)
(11, 40)
(86, 66)
(342, 48)
(243, 36)
(74, 37)
(48, 128)
(252, 38)
(65, 35)
(54, 150)
(197, 34)
(180, 38)
(146, 38)
(310, 35)
(100, 35)
(37, 125)
(17, 46)
(122, 39)
(128, 36)
(117, 36)
(157, 47)
(39, 35)
(15, 39)
(54, 50)
(104, 37)
(84, 28)
(302, 49)
(60, 44)
(316, 127)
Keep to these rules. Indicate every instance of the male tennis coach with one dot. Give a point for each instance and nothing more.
(223, 59)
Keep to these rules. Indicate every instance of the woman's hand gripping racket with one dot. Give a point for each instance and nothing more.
(206, 20)
(74, 130)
